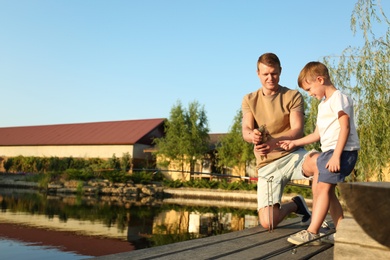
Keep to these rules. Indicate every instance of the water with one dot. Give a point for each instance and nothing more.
(40, 226)
(12, 249)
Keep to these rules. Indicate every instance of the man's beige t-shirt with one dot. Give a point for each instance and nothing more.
(274, 112)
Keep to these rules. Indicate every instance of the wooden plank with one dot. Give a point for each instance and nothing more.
(252, 243)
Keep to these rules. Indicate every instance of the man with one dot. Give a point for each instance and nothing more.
(280, 110)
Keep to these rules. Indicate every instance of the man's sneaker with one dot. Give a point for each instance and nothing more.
(302, 209)
(303, 237)
(325, 225)
(305, 221)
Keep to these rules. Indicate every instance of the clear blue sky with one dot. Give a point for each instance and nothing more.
(76, 61)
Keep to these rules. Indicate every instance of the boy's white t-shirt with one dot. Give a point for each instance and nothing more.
(328, 123)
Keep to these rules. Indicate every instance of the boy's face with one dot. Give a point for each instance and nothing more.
(315, 88)
(269, 76)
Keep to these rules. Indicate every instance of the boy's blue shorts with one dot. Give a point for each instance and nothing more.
(347, 163)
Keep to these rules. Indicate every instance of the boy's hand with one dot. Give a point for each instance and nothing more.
(286, 144)
(333, 164)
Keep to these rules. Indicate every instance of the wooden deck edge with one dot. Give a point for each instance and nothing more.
(351, 242)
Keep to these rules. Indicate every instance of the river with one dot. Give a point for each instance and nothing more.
(34, 225)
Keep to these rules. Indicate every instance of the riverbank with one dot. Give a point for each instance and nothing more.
(149, 192)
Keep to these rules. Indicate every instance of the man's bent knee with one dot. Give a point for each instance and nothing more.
(269, 216)
(309, 166)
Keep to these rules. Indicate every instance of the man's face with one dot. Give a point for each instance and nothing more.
(269, 76)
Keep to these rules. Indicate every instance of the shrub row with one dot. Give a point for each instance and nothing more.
(55, 164)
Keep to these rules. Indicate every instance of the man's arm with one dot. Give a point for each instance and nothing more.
(296, 127)
(248, 133)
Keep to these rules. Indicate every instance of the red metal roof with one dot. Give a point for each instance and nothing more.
(114, 132)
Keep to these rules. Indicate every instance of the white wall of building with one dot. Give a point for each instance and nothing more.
(76, 151)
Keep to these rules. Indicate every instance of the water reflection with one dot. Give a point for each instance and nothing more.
(97, 226)
(22, 250)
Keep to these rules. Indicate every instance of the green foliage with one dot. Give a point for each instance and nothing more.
(125, 162)
(45, 178)
(142, 177)
(364, 73)
(71, 168)
(170, 234)
(172, 183)
(158, 176)
(113, 163)
(8, 164)
(293, 189)
(186, 136)
(115, 176)
(79, 188)
(78, 163)
(42, 179)
(311, 110)
(201, 183)
(232, 149)
(79, 174)
(211, 184)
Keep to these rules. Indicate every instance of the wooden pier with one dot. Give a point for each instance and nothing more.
(252, 243)
(363, 236)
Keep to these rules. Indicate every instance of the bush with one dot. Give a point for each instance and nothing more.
(115, 176)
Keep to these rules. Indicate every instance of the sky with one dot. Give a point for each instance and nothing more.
(80, 61)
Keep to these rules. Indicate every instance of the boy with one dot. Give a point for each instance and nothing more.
(337, 133)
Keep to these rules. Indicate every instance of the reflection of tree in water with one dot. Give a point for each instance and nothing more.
(174, 232)
(168, 234)
(209, 224)
(131, 217)
(215, 224)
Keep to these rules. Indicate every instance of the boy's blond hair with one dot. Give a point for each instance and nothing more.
(311, 71)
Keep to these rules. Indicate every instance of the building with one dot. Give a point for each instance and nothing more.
(83, 140)
(106, 139)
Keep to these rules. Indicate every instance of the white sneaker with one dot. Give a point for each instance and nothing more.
(329, 239)
(305, 236)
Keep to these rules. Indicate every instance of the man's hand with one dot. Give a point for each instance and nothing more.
(256, 137)
(265, 148)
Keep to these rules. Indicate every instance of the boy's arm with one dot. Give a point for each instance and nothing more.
(309, 139)
(344, 133)
(334, 163)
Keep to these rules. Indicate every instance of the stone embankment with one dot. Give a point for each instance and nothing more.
(132, 191)
(93, 187)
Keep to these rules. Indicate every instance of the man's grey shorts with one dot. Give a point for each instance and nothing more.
(283, 170)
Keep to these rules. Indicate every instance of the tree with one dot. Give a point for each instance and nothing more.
(186, 136)
(232, 149)
(198, 133)
(364, 73)
(311, 110)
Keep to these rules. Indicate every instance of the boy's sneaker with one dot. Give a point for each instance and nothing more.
(329, 239)
(302, 210)
(303, 237)
(325, 227)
